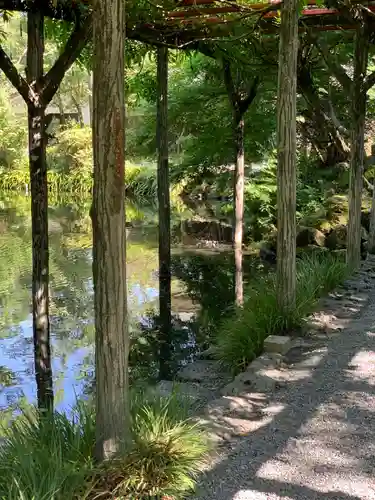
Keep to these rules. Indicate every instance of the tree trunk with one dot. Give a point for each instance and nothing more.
(371, 236)
(165, 336)
(78, 107)
(239, 180)
(286, 148)
(89, 85)
(39, 215)
(109, 237)
(61, 109)
(358, 113)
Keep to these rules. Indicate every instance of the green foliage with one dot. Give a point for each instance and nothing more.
(168, 452)
(200, 123)
(48, 457)
(72, 151)
(240, 338)
(13, 135)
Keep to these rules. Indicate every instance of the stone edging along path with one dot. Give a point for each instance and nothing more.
(229, 407)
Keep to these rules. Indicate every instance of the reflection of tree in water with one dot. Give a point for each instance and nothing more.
(209, 282)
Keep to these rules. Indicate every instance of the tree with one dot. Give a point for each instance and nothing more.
(164, 215)
(240, 101)
(37, 90)
(286, 155)
(109, 236)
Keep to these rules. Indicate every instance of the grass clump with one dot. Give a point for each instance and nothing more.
(240, 338)
(46, 457)
(51, 457)
(168, 452)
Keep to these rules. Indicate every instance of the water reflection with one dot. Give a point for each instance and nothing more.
(202, 283)
(71, 295)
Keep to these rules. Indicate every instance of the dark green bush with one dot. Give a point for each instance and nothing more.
(240, 338)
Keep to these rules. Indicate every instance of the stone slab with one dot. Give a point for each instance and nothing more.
(277, 344)
(193, 393)
(204, 372)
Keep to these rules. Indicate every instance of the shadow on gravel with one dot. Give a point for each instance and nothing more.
(321, 445)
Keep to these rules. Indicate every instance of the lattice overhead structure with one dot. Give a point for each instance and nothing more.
(195, 13)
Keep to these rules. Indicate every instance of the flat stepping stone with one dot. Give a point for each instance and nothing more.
(231, 416)
(204, 372)
(193, 393)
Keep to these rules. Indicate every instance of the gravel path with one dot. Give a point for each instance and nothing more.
(318, 440)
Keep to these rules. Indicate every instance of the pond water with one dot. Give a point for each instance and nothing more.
(202, 277)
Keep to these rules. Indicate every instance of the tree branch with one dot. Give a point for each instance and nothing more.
(370, 81)
(77, 41)
(327, 104)
(17, 80)
(337, 70)
(229, 85)
(369, 186)
(245, 103)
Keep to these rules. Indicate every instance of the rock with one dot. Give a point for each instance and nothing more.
(231, 416)
(310, 236)
(267, 255)
(252, 382)
(204, 371)
(277, 344)
(266, 360)
(336, 239)
(191, 392)
(365, 219)
(207, 353)
(208, 230)
(186, 317)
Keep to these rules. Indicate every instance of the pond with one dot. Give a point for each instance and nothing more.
(205, 277)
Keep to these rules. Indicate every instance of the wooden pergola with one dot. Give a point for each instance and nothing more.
(196, 13)
(175, 25)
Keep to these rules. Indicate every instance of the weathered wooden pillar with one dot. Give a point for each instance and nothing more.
(39, 213)
(286, 155)
(165, 332)
(358, 102)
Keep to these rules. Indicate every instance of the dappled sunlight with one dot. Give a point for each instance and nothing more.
(234, 416)
(362, 367)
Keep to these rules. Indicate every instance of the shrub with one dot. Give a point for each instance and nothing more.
(13, 133)
(168, 451)
(240, 338)
(72, 151)
(51, 457)
(46, 457)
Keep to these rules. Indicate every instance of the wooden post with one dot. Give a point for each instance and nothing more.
(286, 150)
(239, 185)
(358, 115)
(109, 230)
(164, 216)
(39, 213)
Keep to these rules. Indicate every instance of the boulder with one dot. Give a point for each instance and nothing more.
(365, 219)
(310, 236)
(208, 230)
(268, 255)
(336, 239)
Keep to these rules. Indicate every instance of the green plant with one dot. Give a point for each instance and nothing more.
(240, 338)
(46, 457)
(49, 457)
(168, 452)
